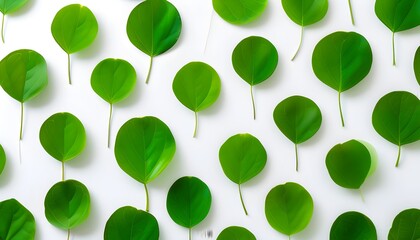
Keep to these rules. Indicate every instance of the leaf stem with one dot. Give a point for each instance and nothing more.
(68, 234)
(208, 32)
(253, 102)
(69, 68)
(196, 124)
(62, 171)
(147, 197)
(109, 125)
(190, 233)
(300, 43)
(341, 111)
(399, 155)
(2, 28)
(351, 12)
(361, 195)
(242, 199)
(297, 158)
(21, 121)
(393, 49)
(150, 69)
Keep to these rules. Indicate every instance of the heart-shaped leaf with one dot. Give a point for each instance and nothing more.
(305, 13)
(154, 27)
(341, 60)
(128, 223)
(405, 225)
(23, 75)
(289, 208)
(188, 202)
(242, 157)
(239, 11)
(143, 149)
(74, 28)
(396, 117)
(298, 118)
(236, 233)
(2, 159)
(353, 226)
(16, 222)
(417, 65)
(398, 15)
(254, 60)
(197, 86)
(8, 7)
(113, 80)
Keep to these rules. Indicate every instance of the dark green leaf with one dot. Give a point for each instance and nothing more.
(197, 87)
(405, 225)
(2, 159)
(289, 208)
(396, 117)
(236, 233)
(239, 11)
(67, 204)
(16, 222)
(63, 136)
(254, 60)
(417, 65)
(298, 118)
(128, 223)
(341, 60)
(353, 226)
(188, 201)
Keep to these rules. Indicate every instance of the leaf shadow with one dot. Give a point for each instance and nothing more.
(262, 19)
(45, 96)
(94, 48)
(170, 174)
(272, 81)
(25, 8)
(134, 97)
(86, 157)
(86, 228)
(215, 108)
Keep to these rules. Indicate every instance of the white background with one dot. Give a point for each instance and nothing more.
(387, 192)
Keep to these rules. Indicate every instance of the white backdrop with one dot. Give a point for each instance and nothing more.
(387, 192)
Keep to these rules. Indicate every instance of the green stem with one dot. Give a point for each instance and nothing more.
(69, 68)
(351, 12)
(62, 171)
(361, 195)
(341, 111)
(300, 43)
(150, 70)
(290, 237)
(109, 125)
(242, 199)
(399, 155)
(68, 234)
(196, 124)
(253, 102)
(393, 49)
(2, 28)
(190, 233)
(147, 197)
(297, 158)
(21, 121)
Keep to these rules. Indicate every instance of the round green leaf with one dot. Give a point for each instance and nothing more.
(396, 117)
(23, 74)
(236, 233)
(63, 136)
(298, 118)
(188, 201)
(16, 222)
(341, 60)
(239, 11)
(417, 65)
(2, 159)
(74, 28)
(128, 223)
(289, 208)
(349, 164)
(11, 6)
(353, 226)
(398, 15)
(405, 225)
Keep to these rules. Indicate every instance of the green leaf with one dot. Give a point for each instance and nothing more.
(341, 60)
(8, 7)
(197, 86)
(396, 117)
(239, 11)
(305, 13)
(128, 223)
(144, 147)
(405, 225)
(113, 80)
(289, 208)
(154, 27)
(417, 65)
(67, 204)
(398, 15)
(236, 233)
(188, 202)
(74, 28)
(254, 60)
(349, 164)
(242, 157)
(16, 222)
(353, 226)
(298, 118)
(2, 159)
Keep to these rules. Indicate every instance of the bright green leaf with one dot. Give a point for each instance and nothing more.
(239, 11)
(405, 225)
(144, 147)
(254, 60)
(128, 223)
(417, 65)
(396, 117)
(154, 27)
(16, 222)
(236, 233)
(353, 226)
(197, 86)
(2, 159)
(341, 60)
(298, 118)
(289, 208)
(242, 157)
(8, 7)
